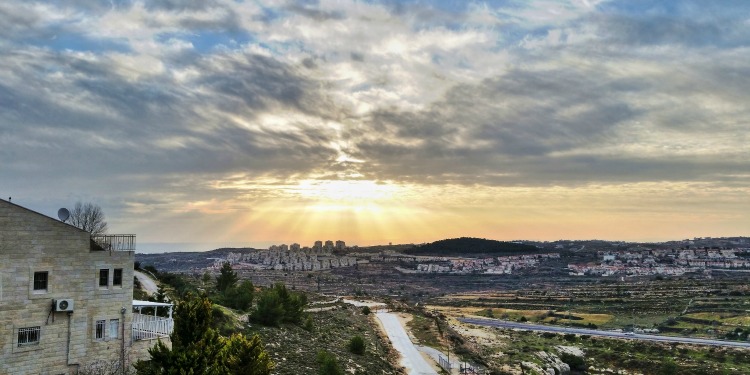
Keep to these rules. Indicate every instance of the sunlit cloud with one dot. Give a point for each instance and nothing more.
(379, 122)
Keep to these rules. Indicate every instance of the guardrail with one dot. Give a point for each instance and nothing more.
(147, 327)
(114, 242)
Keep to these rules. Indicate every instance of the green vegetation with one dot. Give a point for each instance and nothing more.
(468, 245)
(328, 365)
(632, 356)
(199, 349)
(226, 279)
(426, 331)
(278, 305)
(357, 345)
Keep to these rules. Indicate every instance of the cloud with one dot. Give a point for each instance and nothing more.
(164, 102)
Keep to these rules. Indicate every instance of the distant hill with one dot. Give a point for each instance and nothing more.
(472, 246)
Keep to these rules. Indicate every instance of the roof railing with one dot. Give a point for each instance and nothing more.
(113, 242)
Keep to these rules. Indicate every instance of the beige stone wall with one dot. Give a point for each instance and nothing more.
(30, 242)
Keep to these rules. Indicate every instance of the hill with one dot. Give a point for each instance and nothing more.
(470, 246)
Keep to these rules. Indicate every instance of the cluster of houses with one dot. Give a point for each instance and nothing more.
(292, 258)
(496, 265)
(667, 262)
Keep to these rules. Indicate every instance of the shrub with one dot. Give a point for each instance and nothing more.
(575, 362)
(327, 364)
(277, 305)
(366, 310)
(357, 345)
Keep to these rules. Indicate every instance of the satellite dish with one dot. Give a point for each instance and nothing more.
(63, 214)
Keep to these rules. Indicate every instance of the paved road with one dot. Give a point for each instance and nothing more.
(414, 363)
(594, 332)
(147, 284)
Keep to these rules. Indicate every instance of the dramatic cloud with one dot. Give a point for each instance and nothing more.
(233, 112)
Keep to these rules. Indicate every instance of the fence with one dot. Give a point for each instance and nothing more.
(115, 242)
(150, 327)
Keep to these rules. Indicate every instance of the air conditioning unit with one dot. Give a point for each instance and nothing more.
(63, 304)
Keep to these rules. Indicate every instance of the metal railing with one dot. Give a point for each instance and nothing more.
(147, 327)
(115, 242)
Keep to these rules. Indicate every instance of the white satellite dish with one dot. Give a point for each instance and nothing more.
(63, 214)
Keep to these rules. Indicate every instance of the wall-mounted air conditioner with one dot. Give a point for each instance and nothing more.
(63, 304)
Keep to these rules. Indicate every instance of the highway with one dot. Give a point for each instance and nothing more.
(594, 332)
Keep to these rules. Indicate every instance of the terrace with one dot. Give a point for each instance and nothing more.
(148, 326)
(113, 242)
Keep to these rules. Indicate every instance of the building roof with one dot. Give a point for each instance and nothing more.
(139, 303)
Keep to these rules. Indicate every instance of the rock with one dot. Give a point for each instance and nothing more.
(552, 362)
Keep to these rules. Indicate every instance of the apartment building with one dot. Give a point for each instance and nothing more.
(65, 297)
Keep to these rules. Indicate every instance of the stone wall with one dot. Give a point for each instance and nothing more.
(31, 242)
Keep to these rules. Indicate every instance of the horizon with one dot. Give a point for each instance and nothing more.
(380, 121)
(158, 248)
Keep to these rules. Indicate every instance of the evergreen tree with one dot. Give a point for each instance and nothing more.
(328, 365)
(199, 349)
(241, 296)
(357, 345)
(278, 305)
(269, 310)
(227, 279)
(246, 357)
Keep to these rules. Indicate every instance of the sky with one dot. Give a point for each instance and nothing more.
(257, 122)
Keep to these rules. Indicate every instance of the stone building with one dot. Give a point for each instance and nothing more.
(66, 299)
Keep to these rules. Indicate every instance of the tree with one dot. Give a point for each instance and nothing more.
(199, 349)
(278, 305)
(328, 364)
(89, 217)
(240, 297)
(246, 357)
(227, 279)
(357, 345)
(269, 310)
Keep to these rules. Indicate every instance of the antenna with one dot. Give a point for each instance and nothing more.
(63, 214)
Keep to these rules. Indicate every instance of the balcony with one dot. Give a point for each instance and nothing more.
(113, 242)
(147, 326)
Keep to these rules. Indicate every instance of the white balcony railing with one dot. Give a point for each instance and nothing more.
(146, 327)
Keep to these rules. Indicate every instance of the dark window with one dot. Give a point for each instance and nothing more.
(99, 332)
(29, 335)
(40, 280)
(103, 277)
(117, 277)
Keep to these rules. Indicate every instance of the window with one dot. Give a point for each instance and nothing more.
(117, 277)
(99, 329)
(29, 335)
(40, 281)
(103, 277)
(114, 328)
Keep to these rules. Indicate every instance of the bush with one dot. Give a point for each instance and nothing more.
(366, 310)
(576, 363)
(357, 345)
(277, 305)
(327, 364)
